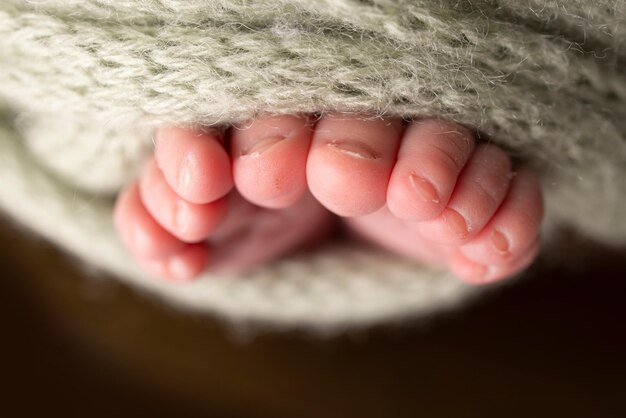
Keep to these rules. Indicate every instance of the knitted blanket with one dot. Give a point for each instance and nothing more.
(84, 83)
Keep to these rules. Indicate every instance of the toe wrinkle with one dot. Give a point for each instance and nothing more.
(354, 149)
(261, 146)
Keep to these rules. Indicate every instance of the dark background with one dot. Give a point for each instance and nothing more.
(76, 345)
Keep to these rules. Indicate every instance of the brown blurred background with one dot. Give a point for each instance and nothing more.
(87, 346)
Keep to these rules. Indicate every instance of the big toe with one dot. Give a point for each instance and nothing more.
(269, 158)
(350, 162)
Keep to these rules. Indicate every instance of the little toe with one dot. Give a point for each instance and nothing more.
(141, 234)
(476, 273)
(187, 221)
(182, 266)
(350, 162)
(432, 154)
(194, 163)
(514, 227)
(480, 190)
(269, 159)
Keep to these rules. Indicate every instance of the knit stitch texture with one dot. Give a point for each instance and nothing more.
(543, 79)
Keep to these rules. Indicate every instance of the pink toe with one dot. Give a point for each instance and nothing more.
(194, 163)
(140, 233)
(514, 227)
(479, 192)
(180, 267)
(432, 154)
(478, 273)
(350, 162)
(187, 221)
(269, 159)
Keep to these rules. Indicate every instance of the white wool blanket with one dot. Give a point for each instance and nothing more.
(84, 83)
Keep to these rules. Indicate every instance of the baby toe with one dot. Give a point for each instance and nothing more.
(350, 162)
(477, 273)
(187, 221)
(432, 154)
(182, 266)
(141, 234)
(269, 159)
(194, 163)
(480, 190)
(514, 227)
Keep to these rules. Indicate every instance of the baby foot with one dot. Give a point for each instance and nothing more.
(181, 216)
(427, 191)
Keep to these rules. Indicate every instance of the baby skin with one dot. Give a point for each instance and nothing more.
(426, 190)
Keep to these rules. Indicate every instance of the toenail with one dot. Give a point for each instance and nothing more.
(500, 243)
(184, 174)
(456, 222)
(354, 149)
(260, 146)
(424, 188)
